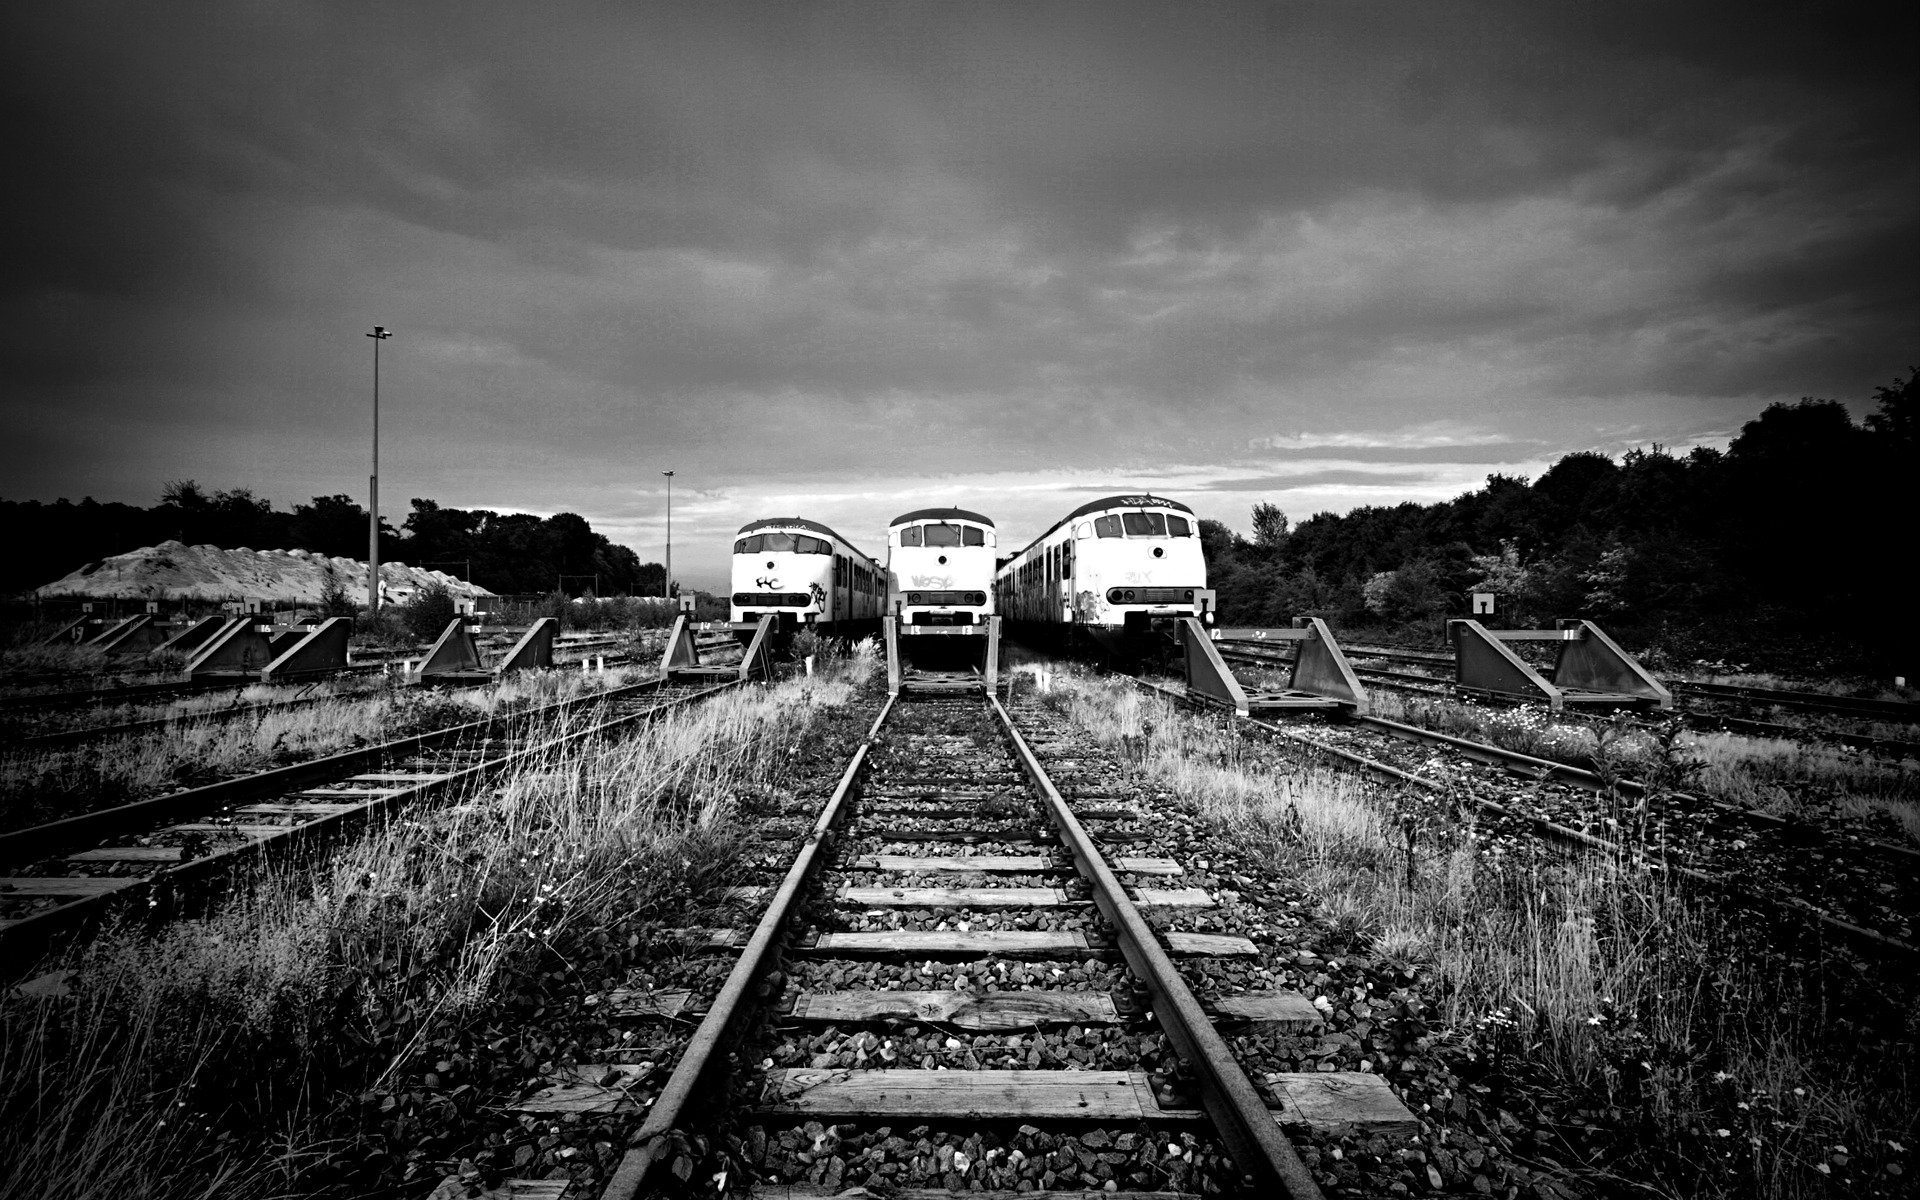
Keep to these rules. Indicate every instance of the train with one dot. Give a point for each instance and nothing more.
(940, 567)
(805, 574)
(1114, 570)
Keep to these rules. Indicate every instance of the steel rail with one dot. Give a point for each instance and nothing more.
(1238, 1112)
(27, 940)
(718, 1027)
(1879, 942)
(36, 841)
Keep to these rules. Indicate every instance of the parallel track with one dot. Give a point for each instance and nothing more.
(61, 878)
(1266, 655)
(1721, 848)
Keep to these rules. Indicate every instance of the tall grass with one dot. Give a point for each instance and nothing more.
(314, 984)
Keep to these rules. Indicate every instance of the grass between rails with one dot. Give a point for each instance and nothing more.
(45, 784)
(323, 1032)
(1633, 1041)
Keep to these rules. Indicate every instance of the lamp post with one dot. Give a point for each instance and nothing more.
(379, 334)
(666, 589)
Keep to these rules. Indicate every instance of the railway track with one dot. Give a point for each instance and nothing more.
(1003, 965)
(1860, 707)
(1855, 889)
(1417, 683)
(304, 697)
(61, 878)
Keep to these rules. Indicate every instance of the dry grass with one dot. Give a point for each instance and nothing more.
(106, 1093)
(1729, 1070)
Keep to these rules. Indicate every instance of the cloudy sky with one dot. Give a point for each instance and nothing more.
(842, 260)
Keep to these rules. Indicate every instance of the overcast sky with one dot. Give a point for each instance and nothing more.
(845, 260)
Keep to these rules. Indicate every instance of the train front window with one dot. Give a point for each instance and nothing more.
(942, 535)
(743, 546)
(973, 535)
(802, 544)
(1141, 524)
(1178, 527)
(774, 543)
(910, 536)
(1108, 526)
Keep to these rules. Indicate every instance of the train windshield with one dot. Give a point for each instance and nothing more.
(784, 543)
(942, 535)
(1144, 524)
(910, 536)
(1178, 526)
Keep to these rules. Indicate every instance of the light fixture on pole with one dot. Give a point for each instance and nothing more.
(379, 334)
(666, 589)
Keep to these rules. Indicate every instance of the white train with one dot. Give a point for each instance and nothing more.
(940, 567)
(805, 574)
(1110, 568)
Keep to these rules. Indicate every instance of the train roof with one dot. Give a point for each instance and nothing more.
(940, 514)
(1136, 500)
(801, 523)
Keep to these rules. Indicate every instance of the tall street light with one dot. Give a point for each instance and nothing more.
(379, 334)
(666, 589)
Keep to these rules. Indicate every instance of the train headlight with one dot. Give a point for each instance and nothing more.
(913, 597)
(1189, 593)
(1128, 596)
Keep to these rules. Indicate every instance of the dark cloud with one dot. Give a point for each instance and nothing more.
(806, 243)
(1312, 479)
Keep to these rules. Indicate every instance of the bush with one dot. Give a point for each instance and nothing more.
(429, 613)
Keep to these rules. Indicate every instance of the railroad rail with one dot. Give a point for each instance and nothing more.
(60, 878)
(948, 841)
(1723, 848)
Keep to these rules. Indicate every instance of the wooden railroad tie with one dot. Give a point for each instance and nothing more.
(1326, 1101)
(1013, 863)
(982, 897)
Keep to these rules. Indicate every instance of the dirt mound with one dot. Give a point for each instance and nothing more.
(176, 571)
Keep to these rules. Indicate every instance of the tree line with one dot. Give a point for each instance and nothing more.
(510, 553)
(1795, 531)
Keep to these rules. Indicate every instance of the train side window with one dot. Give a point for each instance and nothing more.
(1083, 530)
(910, 536)
(1178, 527)
(973, 535)
(942, 535)
(1107, 526)
(1066, 560)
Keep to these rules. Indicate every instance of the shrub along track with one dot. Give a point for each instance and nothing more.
(62, 878)
(971, 997)
(1855, 889)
